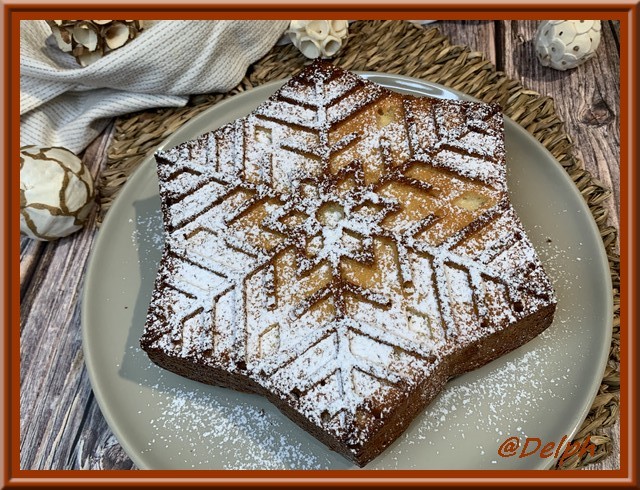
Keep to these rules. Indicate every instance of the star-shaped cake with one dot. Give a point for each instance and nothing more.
(343, 250)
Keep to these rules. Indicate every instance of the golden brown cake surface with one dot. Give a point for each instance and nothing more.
(343, 250)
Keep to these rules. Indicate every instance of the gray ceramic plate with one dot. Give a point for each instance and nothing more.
(544, 389)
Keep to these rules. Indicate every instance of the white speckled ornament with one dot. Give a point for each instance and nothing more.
(565, 44)
(318, 38)
(56, 192)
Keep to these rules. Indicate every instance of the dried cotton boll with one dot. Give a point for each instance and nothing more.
(88, 58)
(86, 34)
(318, 38)
(565, 44)
(63, 39)
(56, 192)
(90, 40)
(117, 35)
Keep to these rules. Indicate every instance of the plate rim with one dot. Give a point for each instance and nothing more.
(389, 77)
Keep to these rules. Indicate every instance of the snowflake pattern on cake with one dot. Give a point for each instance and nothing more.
(337, 243)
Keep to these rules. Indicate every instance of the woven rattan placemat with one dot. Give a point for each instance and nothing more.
(403, 48)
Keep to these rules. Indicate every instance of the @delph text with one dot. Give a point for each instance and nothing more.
(533, 446)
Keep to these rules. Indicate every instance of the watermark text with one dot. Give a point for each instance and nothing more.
(530, 446)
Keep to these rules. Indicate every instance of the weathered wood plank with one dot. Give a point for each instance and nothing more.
(95, 446)
(615, 29)
(587, 98)
(54, 387)
(479, 35)
(30, 254)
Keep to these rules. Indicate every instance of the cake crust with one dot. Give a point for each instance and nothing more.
(343, 250)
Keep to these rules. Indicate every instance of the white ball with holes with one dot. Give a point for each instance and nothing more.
(318, 38)
(56, 192)
(565, 44)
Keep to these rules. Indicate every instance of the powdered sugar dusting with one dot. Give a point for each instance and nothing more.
(328, 247)
(249, 437)
(478, 404)
(146, 233)
(204, 427)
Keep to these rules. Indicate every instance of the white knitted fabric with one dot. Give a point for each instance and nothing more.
(64, 104)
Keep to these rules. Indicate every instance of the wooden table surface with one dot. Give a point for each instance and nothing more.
(61, 426)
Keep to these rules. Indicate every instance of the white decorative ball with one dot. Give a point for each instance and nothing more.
(318, 38)
(56, 192)
(565, 44)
